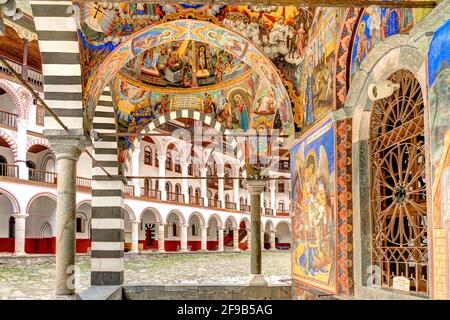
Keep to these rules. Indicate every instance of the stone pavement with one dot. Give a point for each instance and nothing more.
(38, 281)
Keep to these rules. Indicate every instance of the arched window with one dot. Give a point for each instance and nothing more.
(280, 186)
(157, 185)
(194, 229)
(190, 169)
(190, 191)
(168, 161)
(156, 159)
(227, 197)
(197, 193)
(12, 227)
(398, 189)
(168, 187)
(280, 205)
(148, 156)
(241, 200)
(177, 188)
(3, 167)
(174, 229)
(147, 183)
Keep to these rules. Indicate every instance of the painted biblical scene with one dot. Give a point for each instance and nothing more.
(313, 194)
(184, 64)
(315, 85)
(439, 97)
(377, 24)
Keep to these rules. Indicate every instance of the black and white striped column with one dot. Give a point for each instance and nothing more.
(56, 28)
(107, 262)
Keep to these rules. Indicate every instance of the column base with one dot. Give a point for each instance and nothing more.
(161, 251)
(236, 250)
(203, 250)
(256, 280)
(19, 254)
(184, 250)
(134, 251)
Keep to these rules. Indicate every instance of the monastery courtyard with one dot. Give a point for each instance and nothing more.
(38, 281)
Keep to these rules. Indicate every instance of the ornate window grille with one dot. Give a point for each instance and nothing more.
(398, 190)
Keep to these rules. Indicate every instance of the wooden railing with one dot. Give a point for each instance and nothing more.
(9, 170)
(175, 197)
(33, 76)
(41, 176)
(151, 193)
(214, 203)
(268, 211)
(8, 119)
(245, 207)
(84, 183)
(129, 189)
(282, 212)
(230, 205)
(196, 200)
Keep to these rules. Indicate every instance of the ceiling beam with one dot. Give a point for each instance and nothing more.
(306, 3)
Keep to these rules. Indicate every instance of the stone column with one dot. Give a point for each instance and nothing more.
(161, 232)
(204, 190)
(236, 239)
(21, 160)
(184, 182)
(256, 187)
(162, 177)
(204, 239)
(273, 200)
(262, 239)
(135, 164)
(236, 194)
(135, 236)
(19, 233)
(220, 232)
(67, 150)
(249, 239)
(221, 190)
(272, 240)
(183, 238)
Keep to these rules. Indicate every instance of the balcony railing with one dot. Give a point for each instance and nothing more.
(230, 205)
(9, 170)
(84, 183)
(282, 212)
(245, 207)
(284, 165)
(196, 200)
(151, 193)
(32, 76)
(268, 211)
(129, 190)
(42, 176)
(8, 119)
(175, 197)
(214, 203)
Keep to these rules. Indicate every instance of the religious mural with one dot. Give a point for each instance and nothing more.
(313, 194)
(377, 24)
(315, 82)
(439, 97)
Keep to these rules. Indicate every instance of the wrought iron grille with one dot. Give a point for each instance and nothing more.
(398, 190)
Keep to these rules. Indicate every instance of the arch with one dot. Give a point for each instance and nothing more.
(197, 30)
(20, 96)
(233, 221)
(11, 142)
(281, 222)
(178, 214)
(200, 218)
(12, 199)
(148, 155)
(43, 194)
(89, 202)
(218, 220)
(46, 230)
(269, 226)
(41, 142)
(130, 212)
(155, 212)
(244, 222)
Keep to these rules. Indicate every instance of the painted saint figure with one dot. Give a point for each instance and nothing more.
(241, 111)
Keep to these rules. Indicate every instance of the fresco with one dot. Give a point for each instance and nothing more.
(185, 64)
(377, 24)
(439, 97)
(315, 82)
(313, 171)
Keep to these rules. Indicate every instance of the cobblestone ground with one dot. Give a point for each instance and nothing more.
(38, 281)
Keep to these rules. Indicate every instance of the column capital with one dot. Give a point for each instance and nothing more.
(135, 221)
(20, 215)
(255, 186)
(67, 144)
(161, 158)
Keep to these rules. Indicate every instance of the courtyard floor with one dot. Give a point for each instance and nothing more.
(38, 281)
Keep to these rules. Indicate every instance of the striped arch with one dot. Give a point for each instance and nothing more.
(14, 202)
(56, 28)
(12, 143)
(20, 96)
(42, 142)
(107, 262)
(190, 114)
